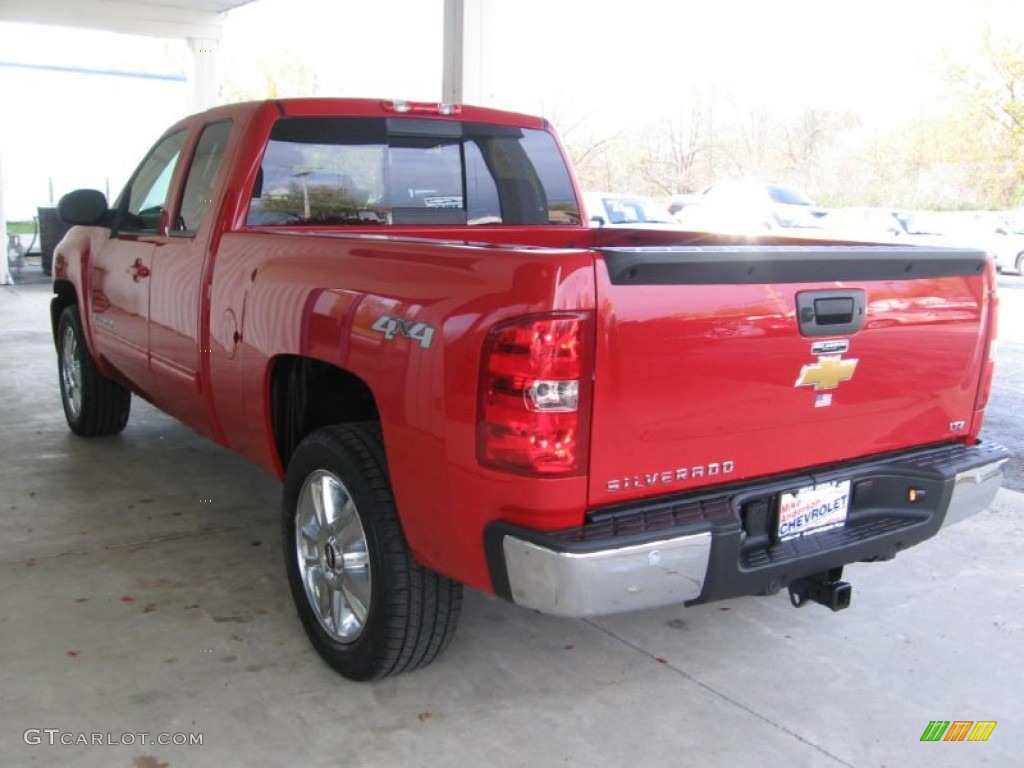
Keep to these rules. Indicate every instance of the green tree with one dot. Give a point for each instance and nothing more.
(279, 75)
(991, 86)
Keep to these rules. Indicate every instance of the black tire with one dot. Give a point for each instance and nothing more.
(412, 611)
(93, 404)
(1020, 263)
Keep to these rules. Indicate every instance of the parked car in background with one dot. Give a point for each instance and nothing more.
(608, 209)
(997, 234)
(1003, 239)
(678, 203)
(992, 231)
(873, 224)
(744, 205)
(1010, 250)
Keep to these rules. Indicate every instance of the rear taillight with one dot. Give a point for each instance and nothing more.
(535, 386)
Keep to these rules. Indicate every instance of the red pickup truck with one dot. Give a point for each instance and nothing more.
(398, 309)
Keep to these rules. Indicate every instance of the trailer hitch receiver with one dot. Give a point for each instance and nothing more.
(823, 588)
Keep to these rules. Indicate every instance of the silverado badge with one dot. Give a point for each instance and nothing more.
(828, 373)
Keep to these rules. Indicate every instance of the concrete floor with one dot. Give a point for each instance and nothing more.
(129, 605)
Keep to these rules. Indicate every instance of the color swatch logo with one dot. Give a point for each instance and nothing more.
(958, 730)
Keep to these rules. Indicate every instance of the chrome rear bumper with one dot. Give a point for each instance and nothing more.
(974, 490)
(583, 575)
(610, 580)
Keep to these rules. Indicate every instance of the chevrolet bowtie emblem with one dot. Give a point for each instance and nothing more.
(828, 373)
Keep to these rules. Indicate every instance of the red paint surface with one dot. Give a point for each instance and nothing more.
(684, 376)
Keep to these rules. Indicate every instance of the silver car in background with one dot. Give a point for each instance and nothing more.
(611, 209)
(751, 207)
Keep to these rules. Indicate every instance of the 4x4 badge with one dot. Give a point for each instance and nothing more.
(396, 326)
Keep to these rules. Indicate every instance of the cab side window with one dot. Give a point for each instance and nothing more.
(148, 189)
(202, 175)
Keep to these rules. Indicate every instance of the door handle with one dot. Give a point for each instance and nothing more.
(138, 270)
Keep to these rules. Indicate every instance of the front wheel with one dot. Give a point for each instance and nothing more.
(369, 609)
(1020, 263)
(93, 404)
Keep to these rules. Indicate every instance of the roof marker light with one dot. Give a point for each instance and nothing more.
(421, 107)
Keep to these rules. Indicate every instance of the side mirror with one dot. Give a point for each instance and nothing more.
(598, 220)
(85, 206)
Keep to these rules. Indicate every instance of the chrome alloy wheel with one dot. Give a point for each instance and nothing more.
(71, 372)
(332, 556)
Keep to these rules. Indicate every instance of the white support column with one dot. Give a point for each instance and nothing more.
(468, 28)
(454, 32)
(5, 272)
(204, 73)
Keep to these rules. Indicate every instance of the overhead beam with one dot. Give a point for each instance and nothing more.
(116, 16)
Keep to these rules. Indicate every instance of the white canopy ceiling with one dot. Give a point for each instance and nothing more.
(159, 18)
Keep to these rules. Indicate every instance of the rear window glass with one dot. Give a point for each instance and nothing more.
(365, 171)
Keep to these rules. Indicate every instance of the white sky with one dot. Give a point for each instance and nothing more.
(624, 58)
(615, 65)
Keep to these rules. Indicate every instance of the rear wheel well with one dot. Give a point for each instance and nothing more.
(307, 394)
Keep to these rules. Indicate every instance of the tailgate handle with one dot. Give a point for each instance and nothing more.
(830, 313)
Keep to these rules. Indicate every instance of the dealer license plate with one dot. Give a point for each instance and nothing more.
(813, 509)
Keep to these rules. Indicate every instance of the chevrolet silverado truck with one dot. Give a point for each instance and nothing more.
(398, 309)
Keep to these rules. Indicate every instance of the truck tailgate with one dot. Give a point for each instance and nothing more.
(719, 364)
